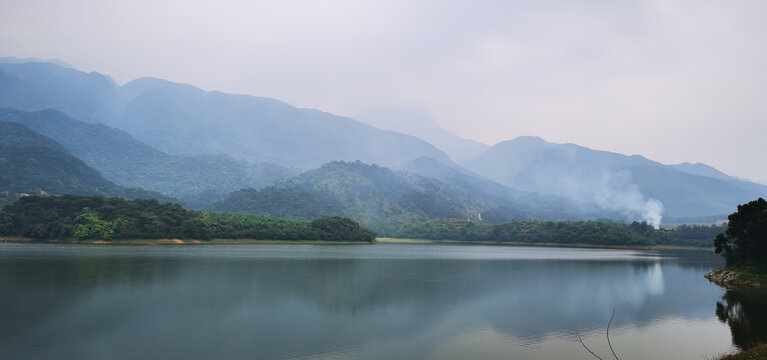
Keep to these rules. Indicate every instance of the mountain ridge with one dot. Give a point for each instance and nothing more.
(640, 186)
(183, 119)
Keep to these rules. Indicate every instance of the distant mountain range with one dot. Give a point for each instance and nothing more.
(502, 203)
(633, 184)
(244, 153)
(182, 119)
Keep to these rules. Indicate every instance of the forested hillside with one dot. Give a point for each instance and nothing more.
(375, 196)
(502, 203)
(386, 200)
(33, 164)
(196, 180)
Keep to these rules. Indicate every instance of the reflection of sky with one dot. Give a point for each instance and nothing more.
(408, 300)
(316, 252)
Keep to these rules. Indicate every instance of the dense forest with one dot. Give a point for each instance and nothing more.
(79, 217)
(562, 232)
(381, 199)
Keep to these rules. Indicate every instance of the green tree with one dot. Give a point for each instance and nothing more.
(342, 229)
(89, 226)
(745, 239)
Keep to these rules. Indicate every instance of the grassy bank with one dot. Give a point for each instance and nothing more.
(738, 276)
(758, 352)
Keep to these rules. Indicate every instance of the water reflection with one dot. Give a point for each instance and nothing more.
(214, 305)
(745, 313)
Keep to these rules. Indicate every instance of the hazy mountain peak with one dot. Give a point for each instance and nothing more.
(527, 139)
(700, 169)
(639, 187)
(34, 86)
(419, 123)
(16, 60)
(183, 119)
(139, 86)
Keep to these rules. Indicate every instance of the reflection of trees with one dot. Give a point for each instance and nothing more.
(745, 313)
(253, 305)
(34, 290)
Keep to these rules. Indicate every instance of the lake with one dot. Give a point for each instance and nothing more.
(359, 302)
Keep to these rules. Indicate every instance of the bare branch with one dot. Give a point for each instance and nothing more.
(586, 347)
(608, 335)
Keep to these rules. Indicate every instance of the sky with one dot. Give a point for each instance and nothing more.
(675, 81)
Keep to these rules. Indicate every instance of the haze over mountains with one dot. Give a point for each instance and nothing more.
(182, 119)
(386, 200)
(419, 123)
(633, 185)
(200, 146)
(196, 179)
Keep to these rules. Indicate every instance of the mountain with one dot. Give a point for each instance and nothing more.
(15, 60)
(706, 170)
(34, 164)
(37, 86)
(502, 203)
(420, 124)
(200, 145)
(197, 180)
(702, 170)
(182, 119)
(377, 197)
(385, 200)
(632, 184)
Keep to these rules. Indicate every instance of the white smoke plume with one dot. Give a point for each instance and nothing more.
(610, 190)
(616, 192)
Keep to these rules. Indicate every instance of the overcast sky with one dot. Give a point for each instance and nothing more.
(672, 80)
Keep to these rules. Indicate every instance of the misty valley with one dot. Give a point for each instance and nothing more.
(251, 228)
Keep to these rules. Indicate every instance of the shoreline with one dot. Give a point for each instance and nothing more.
(386, 240)
(381, 240)
(733, 277)
(129, 242)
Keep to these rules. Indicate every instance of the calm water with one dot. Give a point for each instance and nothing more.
(362, 302)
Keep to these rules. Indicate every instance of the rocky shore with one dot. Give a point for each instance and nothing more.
(731, 277)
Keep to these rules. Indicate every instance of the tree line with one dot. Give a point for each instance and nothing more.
(81, 217)
(562, 232)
